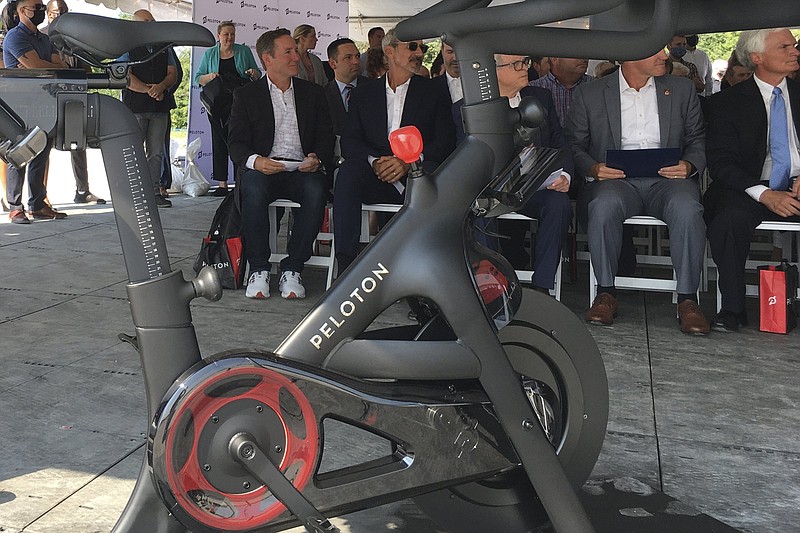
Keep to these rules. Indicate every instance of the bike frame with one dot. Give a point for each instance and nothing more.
(432, 220)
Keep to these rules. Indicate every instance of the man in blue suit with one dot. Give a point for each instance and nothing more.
(370, 173)
(550, 206)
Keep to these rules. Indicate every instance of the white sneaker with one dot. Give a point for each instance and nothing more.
(291, 285)
(258, 285)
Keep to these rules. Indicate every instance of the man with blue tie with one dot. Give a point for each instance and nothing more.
(753, 155)
(344, 60)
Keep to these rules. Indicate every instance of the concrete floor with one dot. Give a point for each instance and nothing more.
(711, 421)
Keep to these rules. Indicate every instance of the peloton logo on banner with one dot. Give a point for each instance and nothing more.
(323, 35)
(348, 307)
(197, 132)
(292, 11)
(244, 4)
(209, 19)
(225, 2)
(312, 14)
(268, 7)
(257, 26)
(201, 153)
(333, 17)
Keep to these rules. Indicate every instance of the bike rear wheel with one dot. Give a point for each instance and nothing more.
(563, 375)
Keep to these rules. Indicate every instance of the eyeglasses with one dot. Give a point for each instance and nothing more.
(413, 45)
(36, 7)
(522, 64)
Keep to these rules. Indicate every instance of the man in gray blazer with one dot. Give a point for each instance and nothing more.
(638, 108)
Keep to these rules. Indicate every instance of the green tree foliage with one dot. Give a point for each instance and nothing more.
(720, 45)
(180, 115)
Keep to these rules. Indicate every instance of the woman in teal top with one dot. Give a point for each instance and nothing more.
(235, 66)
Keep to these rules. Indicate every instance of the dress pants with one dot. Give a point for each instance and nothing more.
(154, 128)
(553, 211)
(604, 205)
(15, 178)
(732, 217)
(80, 169)
(258, 190)
(356, 183)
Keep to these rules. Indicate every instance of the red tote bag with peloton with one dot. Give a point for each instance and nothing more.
(776, 293)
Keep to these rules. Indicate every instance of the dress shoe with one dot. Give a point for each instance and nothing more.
(162, 202)
(603, 310)
(691, 318)
(728, 322)
(220, 192)
(47, 213)
(17, 216)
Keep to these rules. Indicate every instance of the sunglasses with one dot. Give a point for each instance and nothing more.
(36, 7)
(413, 45)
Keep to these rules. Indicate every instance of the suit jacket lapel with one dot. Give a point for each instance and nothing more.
(380, 86)
(614, 111)
(301, 110)
(794, 101)
(664, 99)
(756, 115)
(408, 110)
(269, 113)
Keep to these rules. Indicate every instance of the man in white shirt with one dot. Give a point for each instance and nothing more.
(370, 172)
(280, 136)
(640, 107)
(753, 159)
(452, 74)
(701, 61)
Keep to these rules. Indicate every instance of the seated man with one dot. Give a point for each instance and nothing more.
(276, 122)
(752, 154)
(640, 107)
(370, 173)
(551, 206)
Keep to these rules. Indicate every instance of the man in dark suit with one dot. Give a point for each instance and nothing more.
(280, 136)
(344, 60)
(370, 173)
(752, 154)
(452, 74)
(550, 206)
(637, 108)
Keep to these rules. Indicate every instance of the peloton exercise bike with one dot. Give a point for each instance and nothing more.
(494, 407)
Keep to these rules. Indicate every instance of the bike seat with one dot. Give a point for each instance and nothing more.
(107, 38)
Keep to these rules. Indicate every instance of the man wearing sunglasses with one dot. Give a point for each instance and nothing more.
(370, 173)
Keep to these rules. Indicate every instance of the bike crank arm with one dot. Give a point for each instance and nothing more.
(245, 450)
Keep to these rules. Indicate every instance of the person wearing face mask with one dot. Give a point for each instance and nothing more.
(701, 61)
(677, 49)
(26, 47)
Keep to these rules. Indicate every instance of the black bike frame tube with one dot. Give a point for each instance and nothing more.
(159, 298)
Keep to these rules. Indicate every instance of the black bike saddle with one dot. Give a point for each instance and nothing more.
(107, 38)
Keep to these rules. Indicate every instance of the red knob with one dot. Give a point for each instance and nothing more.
(406, 143)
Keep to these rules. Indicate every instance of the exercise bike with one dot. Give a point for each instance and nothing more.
(493, 407)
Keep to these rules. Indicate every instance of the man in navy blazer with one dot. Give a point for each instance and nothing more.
(743, 193)
(641, 107)
(281, 139)
(370, 173)
(345, 61)
(550, 206)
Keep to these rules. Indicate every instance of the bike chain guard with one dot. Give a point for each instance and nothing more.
(202, 484)
(234, 406)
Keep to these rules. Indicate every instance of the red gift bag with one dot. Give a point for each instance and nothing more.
(776, 294)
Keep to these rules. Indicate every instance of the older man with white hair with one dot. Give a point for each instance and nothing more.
(753, 157)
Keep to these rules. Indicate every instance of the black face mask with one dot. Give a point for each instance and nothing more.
(38, 17)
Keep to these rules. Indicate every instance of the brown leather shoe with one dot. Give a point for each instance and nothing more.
(691, 318)
(17, 216)
(47, 213)
(603, 310)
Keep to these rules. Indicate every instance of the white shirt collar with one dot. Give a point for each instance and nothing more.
(766, 89)
(403, 85)
(514, 101)
(623, 83)
(273, 87)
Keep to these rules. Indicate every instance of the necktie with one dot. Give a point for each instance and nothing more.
(778, 143)
(347, 90)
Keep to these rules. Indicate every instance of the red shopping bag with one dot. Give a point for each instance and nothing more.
(776, 293)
